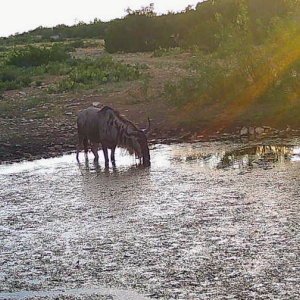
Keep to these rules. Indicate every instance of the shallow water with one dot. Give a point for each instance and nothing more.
(205, 221)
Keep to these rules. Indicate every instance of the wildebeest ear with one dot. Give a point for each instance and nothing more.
(147, 130)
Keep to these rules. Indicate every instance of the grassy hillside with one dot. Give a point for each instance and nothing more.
(245, 73)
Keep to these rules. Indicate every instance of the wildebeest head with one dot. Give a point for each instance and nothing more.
(140, 144)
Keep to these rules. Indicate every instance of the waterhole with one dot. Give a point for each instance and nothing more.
(205, 221)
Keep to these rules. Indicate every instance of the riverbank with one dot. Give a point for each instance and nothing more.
(34, 139)
(37, 123)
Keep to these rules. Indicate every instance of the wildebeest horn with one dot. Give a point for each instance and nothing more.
(147, 130)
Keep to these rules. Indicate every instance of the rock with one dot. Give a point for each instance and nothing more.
(96, 103)
(267, 128)
(282, 133)
(70, 146)
(194, 136)
(244, 131)
(23, 94)
(45, 86)
(259, 130)
(68, 113)
(251, 130)
(27, 155)
(72, 104)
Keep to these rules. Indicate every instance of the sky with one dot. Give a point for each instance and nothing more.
(18, 16)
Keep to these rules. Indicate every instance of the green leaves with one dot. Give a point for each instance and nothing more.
(32, 56)
(12, 78)
(100, 71)
(22, 63)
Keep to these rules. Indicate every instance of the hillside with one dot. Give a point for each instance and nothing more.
(37, 123)
(207, 84)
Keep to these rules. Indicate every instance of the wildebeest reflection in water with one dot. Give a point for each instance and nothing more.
(259, 155)
(107, 127)
(262, 154)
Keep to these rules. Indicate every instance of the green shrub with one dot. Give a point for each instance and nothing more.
(143, 66)
(23, 63)
(57, 68)
(100, 71)
(77, 44)
(93, 44)
(166, 51)
(12, 78)
(203, 85)
(4, 49)
(38, 82)
(31, 56)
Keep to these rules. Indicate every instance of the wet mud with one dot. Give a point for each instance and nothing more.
(205, 221)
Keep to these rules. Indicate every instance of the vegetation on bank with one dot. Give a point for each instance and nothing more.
(244, 64)
(243, 81)
(24, 65)
(61, 33)
(207, 26)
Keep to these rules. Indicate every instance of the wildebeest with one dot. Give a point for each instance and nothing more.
(107, 127)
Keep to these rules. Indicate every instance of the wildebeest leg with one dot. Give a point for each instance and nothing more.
(77, 152)
(105, 152)
(95, 151)
(85, 147)
(112, 156)
(81, 145)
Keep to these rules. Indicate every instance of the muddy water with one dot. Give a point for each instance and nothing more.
(205, 221)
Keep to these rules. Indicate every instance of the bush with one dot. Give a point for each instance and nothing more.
(29, 61)
(99, 71)
(21, 64)
(31, 56)
(203, 86)
(4, 49)
(93, 44)
(77, 44)
(166, 51)
(58, 68)
(13, 78)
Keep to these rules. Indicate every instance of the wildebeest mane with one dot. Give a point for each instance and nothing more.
(119, 128)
